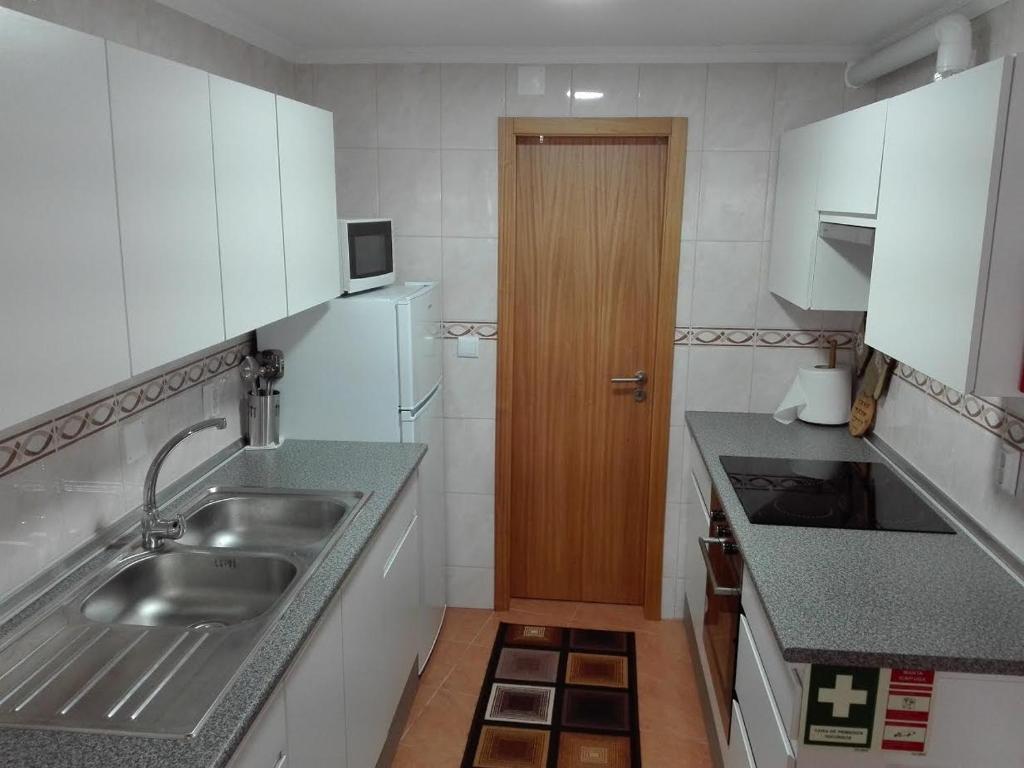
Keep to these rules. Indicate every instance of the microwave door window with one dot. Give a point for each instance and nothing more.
(370, 255)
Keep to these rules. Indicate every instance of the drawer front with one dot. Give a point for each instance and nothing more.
(697, 523)
(769, 741)
(738, 754)
(784, 683)
(701, 476)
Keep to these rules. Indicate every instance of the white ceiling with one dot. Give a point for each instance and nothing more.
(570, 30)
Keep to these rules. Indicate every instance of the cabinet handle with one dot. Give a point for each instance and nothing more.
(282, 760)
(716, 588)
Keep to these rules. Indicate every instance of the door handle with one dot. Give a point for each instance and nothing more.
(639, 378)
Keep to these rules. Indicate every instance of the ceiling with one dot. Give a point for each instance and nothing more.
(569, 30)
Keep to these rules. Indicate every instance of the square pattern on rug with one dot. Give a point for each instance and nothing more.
(557, 698)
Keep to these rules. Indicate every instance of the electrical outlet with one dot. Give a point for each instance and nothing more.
(1008, 474)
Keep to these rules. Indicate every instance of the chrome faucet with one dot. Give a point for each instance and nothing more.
(154, 528)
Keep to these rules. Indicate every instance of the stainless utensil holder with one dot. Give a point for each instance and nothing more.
(264, 418)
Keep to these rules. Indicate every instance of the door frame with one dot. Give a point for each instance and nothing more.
(673, 129)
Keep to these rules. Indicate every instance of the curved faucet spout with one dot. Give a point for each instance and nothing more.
(155, 529)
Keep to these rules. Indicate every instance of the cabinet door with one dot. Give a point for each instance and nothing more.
(795, 225)
(851, 160)
(935, 210)
(306, 141)
(697, 523)
(362, 633)
(433, 525)
(265, 745)
(402, 614)
(63, 330)
(315, 697)
(163, 156)
(248, 205)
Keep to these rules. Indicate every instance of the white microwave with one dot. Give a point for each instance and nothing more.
(367, 254)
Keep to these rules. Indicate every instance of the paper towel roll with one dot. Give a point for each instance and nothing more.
(819, 395)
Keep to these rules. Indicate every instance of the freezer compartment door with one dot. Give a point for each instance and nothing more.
(419, 346)
(427, 426)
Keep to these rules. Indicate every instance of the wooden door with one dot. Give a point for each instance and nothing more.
(589, 218)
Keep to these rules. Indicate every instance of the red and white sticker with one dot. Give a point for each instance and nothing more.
(907, 709)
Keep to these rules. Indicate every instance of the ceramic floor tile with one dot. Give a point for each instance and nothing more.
(672, 725)
(461, 625)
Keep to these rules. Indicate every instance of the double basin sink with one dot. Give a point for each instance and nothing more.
(152, 641)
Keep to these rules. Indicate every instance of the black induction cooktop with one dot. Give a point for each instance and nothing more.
(863, 495)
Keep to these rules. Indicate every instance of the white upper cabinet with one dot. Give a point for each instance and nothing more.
(63, 331)
(936, 210)
(828, 170)
(308, 204)
(851, 160)
(163, 155)
(248, 205)
(795, 226)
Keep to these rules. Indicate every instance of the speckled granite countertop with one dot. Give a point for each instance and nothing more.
(380, 468)
(866, 598)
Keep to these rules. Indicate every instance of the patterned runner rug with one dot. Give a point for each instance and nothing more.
(557, 698)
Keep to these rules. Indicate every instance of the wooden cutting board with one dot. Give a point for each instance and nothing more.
(877, 371)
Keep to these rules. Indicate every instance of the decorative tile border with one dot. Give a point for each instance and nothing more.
(64, 428)
(453, 329)
(987, 415)
(698, 336)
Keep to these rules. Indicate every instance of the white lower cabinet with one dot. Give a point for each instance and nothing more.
(764, 727)
(338, 699)
(738, 754)
(402, 612)
(266, 743)
(315, 697)
(377, 655)
(698, 523)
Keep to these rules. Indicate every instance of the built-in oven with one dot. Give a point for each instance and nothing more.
(724, 567)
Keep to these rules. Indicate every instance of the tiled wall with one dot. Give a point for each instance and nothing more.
(956, 440)
(80, 468)
(419, 143)
(155, 28)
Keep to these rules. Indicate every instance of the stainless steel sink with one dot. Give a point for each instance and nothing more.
(149, 644)
(236, 518)
(190, 589)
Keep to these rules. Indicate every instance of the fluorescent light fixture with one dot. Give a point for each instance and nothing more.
(585, 95)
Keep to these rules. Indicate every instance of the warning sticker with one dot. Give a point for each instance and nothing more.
(907, 709)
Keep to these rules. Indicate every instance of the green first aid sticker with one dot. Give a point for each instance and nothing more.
(840, 709)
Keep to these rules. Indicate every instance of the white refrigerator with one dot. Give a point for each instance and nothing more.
(368, 367)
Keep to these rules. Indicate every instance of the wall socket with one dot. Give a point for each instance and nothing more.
(1008, 474)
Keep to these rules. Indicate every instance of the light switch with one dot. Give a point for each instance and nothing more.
(531, 81)
(468, 346)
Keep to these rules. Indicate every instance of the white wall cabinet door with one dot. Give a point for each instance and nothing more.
(936, 205)
(64, 329)
(308, 203)
(163, 156)
(266, 743)
(795, 223)
(315, 697)
(851, 160)
(248, 205)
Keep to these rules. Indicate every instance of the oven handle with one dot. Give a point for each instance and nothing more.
(716, 589)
